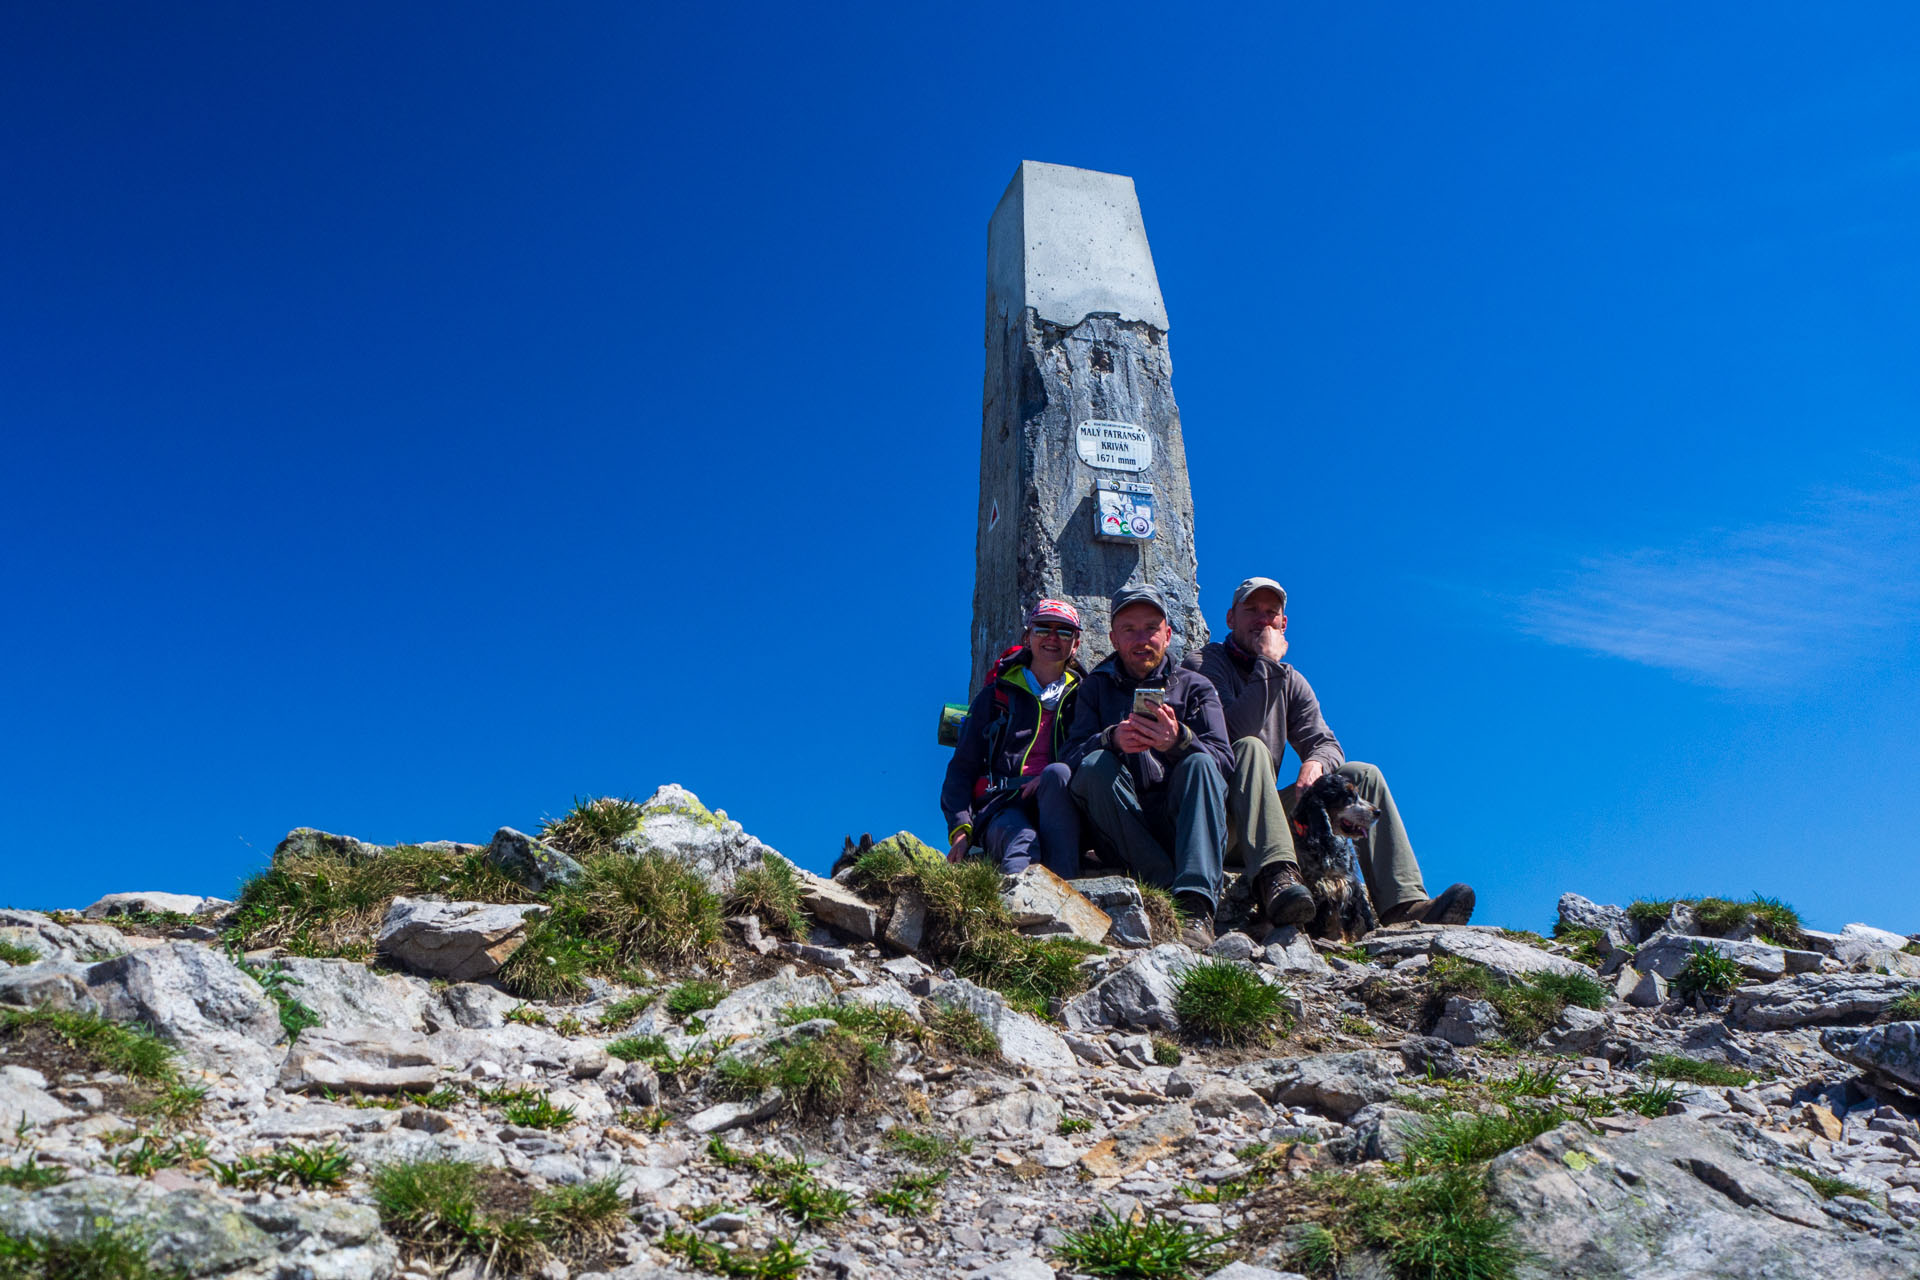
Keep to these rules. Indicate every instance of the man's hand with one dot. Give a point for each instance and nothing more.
(1142, 733)
(1311, 771)
(1273, 644)
(961, 844)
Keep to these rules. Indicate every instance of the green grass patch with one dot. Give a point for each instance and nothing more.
(1163, 913)
(448, 1209)
(1030, 972)
(1527, 936)
(1672, 1066)
(1905, 1009)
(592, 826)
(780, 1260)
(1227, 1002)
(772, 890)
(1526, 1008)
(1828, 1188)
(1145, 1248)
(1458, 1139)
(1433, 1227)
(278, 982)
(911, 1195)
(963, 1029)
(927, 1147)
(695, 996)
(1585, 942)
(111, 1046)
(534, 1110)
(620, 912)
(153, 1155)
(805, 1201)
(619, 1013)
(1165, 1052)
(14, 953)
(1772, 920)
(873, 1021)
(824, 1075)
(1070, 1125)
(304, 1166)
(173, 1103)
(31, 1175)
(104, 1251)
(1707, 972)
(1651, 1100)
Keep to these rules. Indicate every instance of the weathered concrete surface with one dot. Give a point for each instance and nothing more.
(1075, 331)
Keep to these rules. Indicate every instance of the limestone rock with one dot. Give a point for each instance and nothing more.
(754, 1010)
(367, 1059)
(1038, 897)
(1138, 995)
(1649, 991)
(1467, 1022)
(344, 992)
(1014, 1114)
(186, 904)
(1814, 999)
(1578, 1031)
(907, 922)
(471, 1005)
(1668, 954)
(675, 824)
(1155, 1136)
(532, 862)
(1024, 1041)
(460, 941)
(25, 1102)
(1248, 1271)
(196, 1233)
(1509, 959)
(194, 998)
(840, 908)
(1225, 1099)
(1676, 1197)
(1336, 1083)
(306, 842)
(53, 984)
(1577, 912)
(1290, 950)
(1890, 1052)
(1119, 897)
(79, 943)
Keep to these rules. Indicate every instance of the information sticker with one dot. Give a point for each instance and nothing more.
(1114, 446)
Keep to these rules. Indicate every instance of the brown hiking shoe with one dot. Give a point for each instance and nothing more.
(1283, 899)
(1453, 906)
(1196, 915)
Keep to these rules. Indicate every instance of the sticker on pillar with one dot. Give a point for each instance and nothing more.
(1113, 446)
(1123, 512)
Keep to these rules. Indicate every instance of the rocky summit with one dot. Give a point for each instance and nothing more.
(642, 1044)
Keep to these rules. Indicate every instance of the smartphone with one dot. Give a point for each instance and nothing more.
(1146, 702)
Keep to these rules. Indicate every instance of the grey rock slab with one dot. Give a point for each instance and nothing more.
(1648, 991)
(1577, 1031)
(79, 943)
(1037, 897)
(731, 1115)
(1119, 897)
(51, 984)
(674, 824)
(754, 1009)
(1019, 1113)
(1679, 1197)
(368, 1059)
(1509, 959)
(345, 992)
(1140, 994)
(115, 904)
(1290, 950)
(1815, 999)
(531, 861)
(319, 1120)
(1023, 1267)
(1466, 1022)
(1668, 954)
(1890, 1052)
(1024, 1041)
(25, 1102)
(195, 999)
(840, 908)
(1248, 1271)
(1228, 1099)
(1885, 938)
(308, 842)
(1577, 912)
(196, 1233)
(907, 921)
(1155, 1136)
(1236, 946)
(470, 1005)
(460, 941)
(1336, 1083)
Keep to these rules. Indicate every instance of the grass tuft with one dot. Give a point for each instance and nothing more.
(437, 1207)
(1672, 1066)
(1651, 1100)
(780, 1260)
(621, 911)
(31, 1176)
(694, 997)
(592, 826)
(1707, 972)
(771, 889)
(1434, 1227)
(129, 1050)
(925, 1147)
(963, 1029)
(14, 953)
(911, 1195)
(1526, 1009)
(1459, 1139)
(104, 1251)
(310, 1166)
(825, 1075)
(1829, 1187)
(1146, 1248)
(1227, 1002)
(1163, 914)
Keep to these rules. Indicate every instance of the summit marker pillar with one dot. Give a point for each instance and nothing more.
(1083, 472)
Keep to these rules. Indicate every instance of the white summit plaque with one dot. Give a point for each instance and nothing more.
(1114, 446)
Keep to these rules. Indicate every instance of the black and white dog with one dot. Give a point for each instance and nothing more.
(1326, 822)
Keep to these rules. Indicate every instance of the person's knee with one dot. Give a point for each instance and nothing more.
(1251, 751)
(1097, 772)
(1365, 776)
(1055, 777)
(1200, 770)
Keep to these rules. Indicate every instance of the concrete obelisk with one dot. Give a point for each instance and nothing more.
(1083, 473)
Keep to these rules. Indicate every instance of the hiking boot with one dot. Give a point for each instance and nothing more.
(1454, 906)
(1196, 914)
(1283, 899)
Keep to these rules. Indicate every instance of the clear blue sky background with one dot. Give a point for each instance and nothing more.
(419, 416)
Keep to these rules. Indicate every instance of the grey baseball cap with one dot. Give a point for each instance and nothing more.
(1252, 585)
(1139, 594)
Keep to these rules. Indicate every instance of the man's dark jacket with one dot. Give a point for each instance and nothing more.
(1106, 698)
(1267, 700)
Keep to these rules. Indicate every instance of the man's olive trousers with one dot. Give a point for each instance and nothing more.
(1260, 828)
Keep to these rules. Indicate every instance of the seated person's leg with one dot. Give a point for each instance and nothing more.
(1011, 839)
(1103, 788)
(1393, 873)
(1196, 797)
(1059, 821)
(1258, 830)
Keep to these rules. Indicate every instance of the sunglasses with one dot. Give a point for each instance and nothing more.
(1064, 633)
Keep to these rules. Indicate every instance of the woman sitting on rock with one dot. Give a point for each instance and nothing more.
(1006, 789)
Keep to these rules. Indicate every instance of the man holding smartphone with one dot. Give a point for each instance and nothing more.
(1148, 748)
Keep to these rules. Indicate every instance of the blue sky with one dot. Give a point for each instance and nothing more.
(419, 416)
